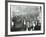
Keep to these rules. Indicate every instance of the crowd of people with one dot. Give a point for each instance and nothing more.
(23, 24)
